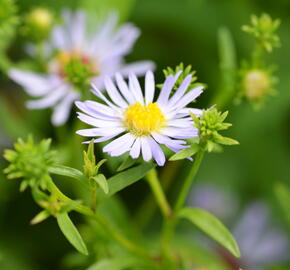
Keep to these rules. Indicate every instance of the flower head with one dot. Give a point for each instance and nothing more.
(31, 162)
(139, 123)
(76, 58)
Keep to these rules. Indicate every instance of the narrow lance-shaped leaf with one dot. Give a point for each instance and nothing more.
(102, 182)
(185, 153)
(69, 172)
(128, 177)
(71, 233)
(213, 227)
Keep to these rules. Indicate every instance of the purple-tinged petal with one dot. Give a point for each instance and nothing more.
(157, 152)
(136, 148)
(145, 148)
(114, 93)
(149, 87)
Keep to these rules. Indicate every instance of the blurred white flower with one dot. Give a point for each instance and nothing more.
(101, 52)
(261, 242)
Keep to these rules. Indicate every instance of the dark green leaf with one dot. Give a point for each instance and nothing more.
(71, 233)
(127, 163)
(128, 177)
(69, 172)
(210, 225)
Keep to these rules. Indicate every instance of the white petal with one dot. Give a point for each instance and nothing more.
(77, 28)
(157, 152)
(180, 91)
(125, 89)
(125, 147)
(114, 93)
(167, 88)
(149, 87)
(97, 122)
(116, 143)
(98, 93)
(136, 148)
(62, 110)
(33, 83)
(100, 132)
(189, 97)
(135, 88)
(146, 149)
(50, 100)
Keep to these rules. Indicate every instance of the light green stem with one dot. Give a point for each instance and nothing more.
(169, 225)
(159, 193)
(123, 241)
(188, 181)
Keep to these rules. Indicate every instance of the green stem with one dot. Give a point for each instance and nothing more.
(169, 225)
(148, 207)
(188, 181)
(158, 192)
(104, 223)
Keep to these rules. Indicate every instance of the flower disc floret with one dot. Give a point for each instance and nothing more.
(141, 120)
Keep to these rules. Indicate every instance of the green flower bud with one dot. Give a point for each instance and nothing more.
(209, 124)
(263, 28)
(256, 84)
(38, 24)
(31, 162)
(185, 72)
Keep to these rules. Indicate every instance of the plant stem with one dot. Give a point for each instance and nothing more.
(188, 181)
(123, 241)
(170, 224)
(159, 193)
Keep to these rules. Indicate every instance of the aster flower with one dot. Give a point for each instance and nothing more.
(78, 58)
(141, 124)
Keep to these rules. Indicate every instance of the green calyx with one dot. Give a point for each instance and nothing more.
(78, 72)
(264, 29)
(31, 162)
(209, 124)
(185, 72)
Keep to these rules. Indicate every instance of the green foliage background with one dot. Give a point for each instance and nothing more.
(172, 31)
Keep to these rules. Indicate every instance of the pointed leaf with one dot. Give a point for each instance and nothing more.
(213, 227)
(128, 177)
(71, 233)
(127, 163)
(43, 215)
(185, 153)
(69, 172)
(102, 182)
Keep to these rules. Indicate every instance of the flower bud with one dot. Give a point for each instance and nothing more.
(31, 162)
(256, 84)
(38, 23)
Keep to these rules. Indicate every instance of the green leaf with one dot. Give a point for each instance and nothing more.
(113, 264)
(40, 217)
(283, 196)
(185, 153)
(71, 233)
(69, 172)
(102, 182)
(225, 140)
(127, 163)
(128, 177)
(210, 225)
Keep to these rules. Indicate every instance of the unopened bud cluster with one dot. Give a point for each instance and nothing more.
(209, 124)
(31, 162)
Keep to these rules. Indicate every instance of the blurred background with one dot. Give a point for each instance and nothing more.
(254, 174)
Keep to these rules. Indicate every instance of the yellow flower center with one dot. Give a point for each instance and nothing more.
(142, 120)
